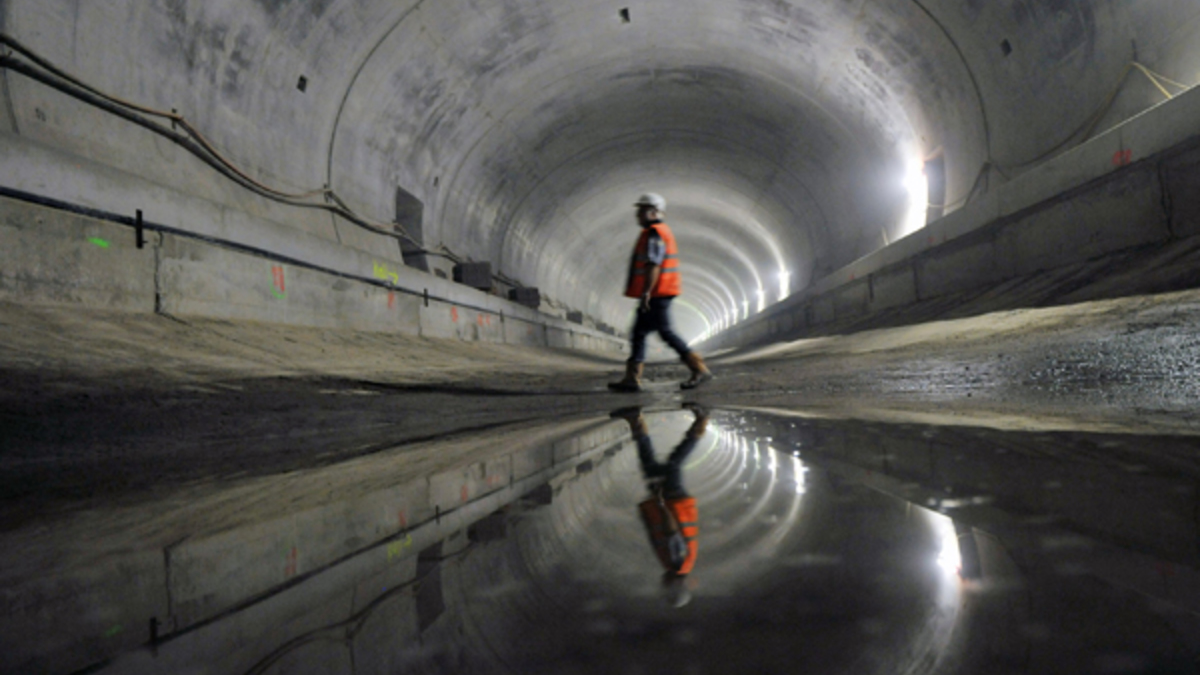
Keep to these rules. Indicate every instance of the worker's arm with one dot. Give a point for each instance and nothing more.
(652, 274)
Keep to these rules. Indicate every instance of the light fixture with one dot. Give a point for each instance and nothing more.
(916, 184)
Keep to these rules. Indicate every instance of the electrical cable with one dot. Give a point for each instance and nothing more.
(1087, 129)
(194, 141)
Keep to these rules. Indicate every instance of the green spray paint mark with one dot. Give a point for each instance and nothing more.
(115, 630)
(278, 294)
(99, 242)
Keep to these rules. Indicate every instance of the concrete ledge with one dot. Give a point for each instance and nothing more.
(50, 256)
(254, 584)
(1081, 206)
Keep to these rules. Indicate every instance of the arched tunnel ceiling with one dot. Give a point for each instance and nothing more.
(779, 131)
(778, 149)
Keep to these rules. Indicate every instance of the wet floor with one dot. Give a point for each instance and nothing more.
(650, 540)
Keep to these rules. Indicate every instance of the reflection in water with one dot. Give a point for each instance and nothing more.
(792, 571)
(826, 547)
(670, 514)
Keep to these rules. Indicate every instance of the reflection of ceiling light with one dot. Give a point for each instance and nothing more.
(785, 284)
(949, 559)
(798, 471)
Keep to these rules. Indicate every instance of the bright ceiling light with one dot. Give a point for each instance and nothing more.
(916, 184)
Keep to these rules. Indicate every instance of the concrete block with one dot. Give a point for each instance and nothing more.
(558, 338)
(54, 257)
(518, 332)
(1182, 184)
(488, 327)
(1119, 213)
(822, 310)
(567, 449)
(528, 461)
(957, 266)
(893, 287)
(65, 621)
(442, 320)
(213, 574)
(452, 489)
(851, 300)
(199, 279)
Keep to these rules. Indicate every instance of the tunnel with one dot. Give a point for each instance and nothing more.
(309, 312)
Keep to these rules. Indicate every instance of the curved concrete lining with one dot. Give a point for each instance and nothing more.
(779, 132)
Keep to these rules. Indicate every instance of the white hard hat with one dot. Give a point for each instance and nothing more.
(652, 199)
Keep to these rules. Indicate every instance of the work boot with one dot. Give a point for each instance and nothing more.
(700, 372)
(700, 425)
(633, 415)
(633, 378)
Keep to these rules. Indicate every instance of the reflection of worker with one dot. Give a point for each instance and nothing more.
(654, 280)
(669, 514)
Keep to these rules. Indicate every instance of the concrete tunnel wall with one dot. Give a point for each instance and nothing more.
(780, 133)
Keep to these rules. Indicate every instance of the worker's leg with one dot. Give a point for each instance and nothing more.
(642, 326)
(651, 469)
(660, 310)
(673, 471)
(673, 486)
(632, 382)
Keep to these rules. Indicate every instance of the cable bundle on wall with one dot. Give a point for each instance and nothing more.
(192, 140)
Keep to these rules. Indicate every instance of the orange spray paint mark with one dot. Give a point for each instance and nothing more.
(454, 314)
(290, 569)
(279, 291)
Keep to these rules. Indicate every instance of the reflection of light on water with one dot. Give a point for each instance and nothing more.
(949, 558)
(799, 472)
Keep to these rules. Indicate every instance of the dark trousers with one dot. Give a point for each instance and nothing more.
(655, 319)
(670, 473)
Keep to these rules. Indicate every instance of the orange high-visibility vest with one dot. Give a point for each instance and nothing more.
(669, 284)
(685, 513)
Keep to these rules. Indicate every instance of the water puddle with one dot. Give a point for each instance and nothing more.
(688, 541)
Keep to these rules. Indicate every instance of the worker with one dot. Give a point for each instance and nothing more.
(654, 281)
(669, 513)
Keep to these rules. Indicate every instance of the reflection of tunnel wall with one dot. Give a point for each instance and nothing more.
(526, 128)
(1083, 561)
